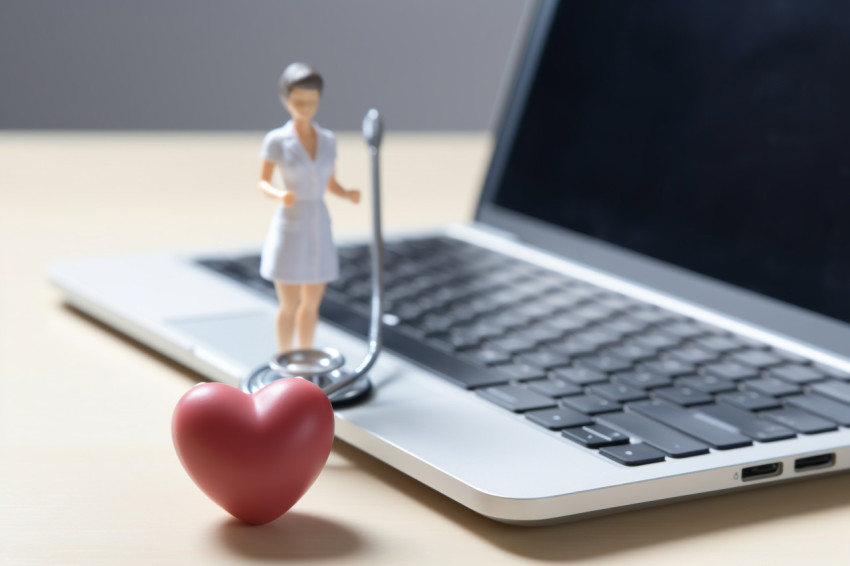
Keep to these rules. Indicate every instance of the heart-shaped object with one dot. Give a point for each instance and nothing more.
(254, 454)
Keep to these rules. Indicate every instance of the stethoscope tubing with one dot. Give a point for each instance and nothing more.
(373, 133)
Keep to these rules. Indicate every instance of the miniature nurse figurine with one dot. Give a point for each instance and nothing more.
(299, 254)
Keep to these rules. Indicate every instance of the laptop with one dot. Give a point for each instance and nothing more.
(650, 304)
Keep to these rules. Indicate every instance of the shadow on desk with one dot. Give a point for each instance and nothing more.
(293, 536)
(626, 531)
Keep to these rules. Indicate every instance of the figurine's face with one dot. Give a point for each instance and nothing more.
(302, 103)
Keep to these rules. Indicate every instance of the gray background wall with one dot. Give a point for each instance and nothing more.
(214, 64)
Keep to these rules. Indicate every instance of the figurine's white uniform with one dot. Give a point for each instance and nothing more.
(299, 247)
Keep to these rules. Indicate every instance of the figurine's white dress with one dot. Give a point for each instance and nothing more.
(299, 247)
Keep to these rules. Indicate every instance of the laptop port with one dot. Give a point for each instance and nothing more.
(761, 472)
(814, 462)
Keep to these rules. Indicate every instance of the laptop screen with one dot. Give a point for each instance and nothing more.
(710, 135)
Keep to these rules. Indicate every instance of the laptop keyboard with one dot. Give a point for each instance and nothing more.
(636, 382)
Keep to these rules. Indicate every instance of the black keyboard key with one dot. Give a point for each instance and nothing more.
(592, 312)
(487, 357)
(359, 291)
(545, 359)
(571, 346)
(436, 323)
(624, 325)
(687, 422)
(656, 340)
(520, 372)
(604, 363)
(461, 312)
(590, 404)
(756, 358)
(617, 392)
(692, 355)
(541, 333)
(534, 310)
(595, 436)
(480, 331)
(633, 454)
(515, 398)
(447, 365)
(838, 390)
(821, 406)
(683, 330)
(618, 302)
(631, 352)
(233, 268)
(407, 311)
(660, 436)
(652, 315)
(684, 396)
(707, 383)
(483, 305)
(772, 387)
(762, 430)
(598, 337)
(561, 301)
(749, 400)
(510, 299)
(616, 436)
(580, 375)
(585, 290)
(554, 387)
(250, 263)
(669, 368)
(455, 341)
(507, 319)
(795, 373)
(514, 344)
(731, 370)
(558, 418)
(720, 344)
(751, 343)
(566, 323)
(833, 372)
(643, 379)
(799, 420)
(410, 329)
(791, 356)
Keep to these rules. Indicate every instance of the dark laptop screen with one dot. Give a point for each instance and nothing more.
(709, 134)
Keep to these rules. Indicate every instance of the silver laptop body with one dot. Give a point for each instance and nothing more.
(495, 461)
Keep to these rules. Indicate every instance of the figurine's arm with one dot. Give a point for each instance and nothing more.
(284, 196)
(353, 195)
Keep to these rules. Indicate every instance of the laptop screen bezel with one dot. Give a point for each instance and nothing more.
(512, 113)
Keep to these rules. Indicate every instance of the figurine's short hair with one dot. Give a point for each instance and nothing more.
(299, 75)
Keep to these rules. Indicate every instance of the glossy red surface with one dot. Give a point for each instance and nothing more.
(254, 455)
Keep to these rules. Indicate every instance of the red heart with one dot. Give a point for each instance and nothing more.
(254, 455)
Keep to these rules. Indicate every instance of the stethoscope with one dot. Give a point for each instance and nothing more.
(324, 366)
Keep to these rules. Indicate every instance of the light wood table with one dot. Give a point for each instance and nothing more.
(87, 471)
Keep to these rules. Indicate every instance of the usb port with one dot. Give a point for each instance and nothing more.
(814, 462)
(761, 472)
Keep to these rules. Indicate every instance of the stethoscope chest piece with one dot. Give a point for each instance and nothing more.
(321, 366)
(307, 363)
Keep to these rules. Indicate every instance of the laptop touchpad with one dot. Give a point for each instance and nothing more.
(245, 339)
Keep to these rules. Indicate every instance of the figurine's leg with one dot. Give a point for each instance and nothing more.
(289, 297)
(308, 313)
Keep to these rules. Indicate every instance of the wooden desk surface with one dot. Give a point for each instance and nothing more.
(87, 471)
